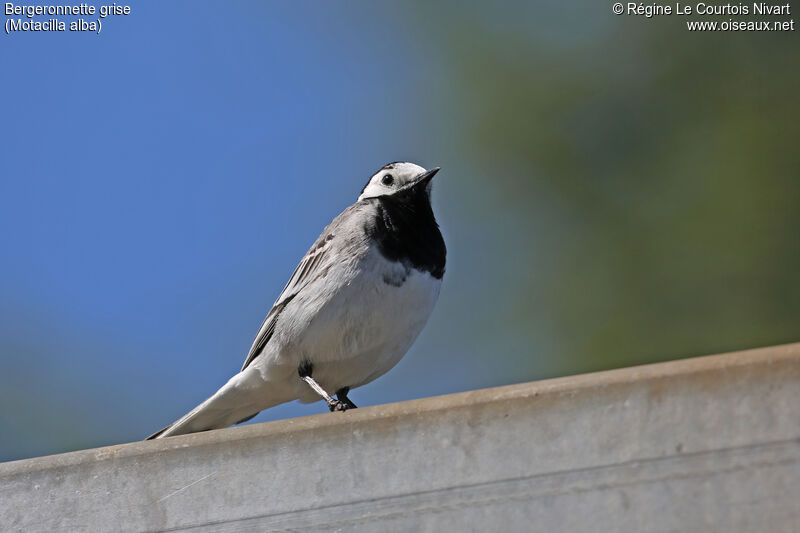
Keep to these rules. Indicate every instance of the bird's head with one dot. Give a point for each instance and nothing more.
(396, 177)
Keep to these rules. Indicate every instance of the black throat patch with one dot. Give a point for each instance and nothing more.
(406, 231)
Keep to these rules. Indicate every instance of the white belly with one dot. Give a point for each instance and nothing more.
(353, 326)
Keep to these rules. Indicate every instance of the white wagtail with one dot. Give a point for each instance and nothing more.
(351, 310)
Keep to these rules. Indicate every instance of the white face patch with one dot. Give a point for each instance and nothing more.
(390, 179)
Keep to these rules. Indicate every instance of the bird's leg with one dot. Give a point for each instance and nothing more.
(333, 405)
(304, 370)
(341, 395)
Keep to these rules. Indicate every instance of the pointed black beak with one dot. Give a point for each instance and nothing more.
(425, 177)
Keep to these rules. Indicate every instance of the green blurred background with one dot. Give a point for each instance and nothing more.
(640, 183)
(615, 191)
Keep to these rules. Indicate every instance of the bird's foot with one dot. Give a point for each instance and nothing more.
(341, 396)
(338, 405)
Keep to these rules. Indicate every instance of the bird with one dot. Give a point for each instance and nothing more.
(350, 311)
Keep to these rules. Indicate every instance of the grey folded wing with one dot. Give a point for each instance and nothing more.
(312, 265)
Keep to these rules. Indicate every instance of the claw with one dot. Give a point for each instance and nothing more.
(338, 405)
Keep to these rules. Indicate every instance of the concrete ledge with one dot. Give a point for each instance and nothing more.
(711, 444)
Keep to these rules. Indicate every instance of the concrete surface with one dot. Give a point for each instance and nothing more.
(704, 444)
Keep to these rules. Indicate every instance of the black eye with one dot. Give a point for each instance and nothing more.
(387, 179)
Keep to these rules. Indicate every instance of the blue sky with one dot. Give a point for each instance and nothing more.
(159, 183)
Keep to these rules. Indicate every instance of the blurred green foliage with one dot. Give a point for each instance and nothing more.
(651, 173)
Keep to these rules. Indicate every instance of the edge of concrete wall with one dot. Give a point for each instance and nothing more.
(711, 411)
(696, 366)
